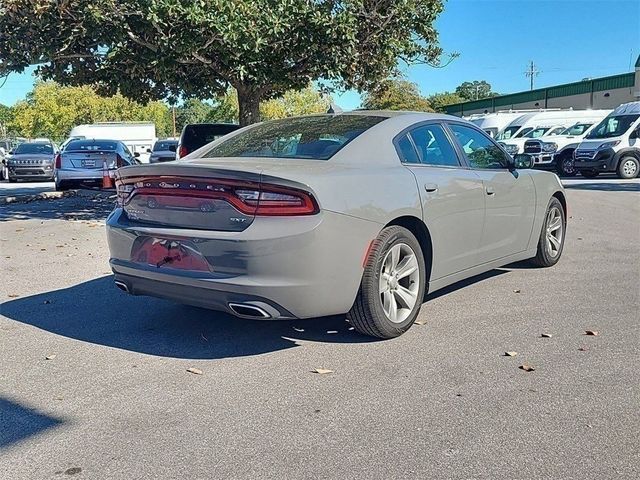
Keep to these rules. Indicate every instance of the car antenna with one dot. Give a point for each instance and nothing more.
(334, 109)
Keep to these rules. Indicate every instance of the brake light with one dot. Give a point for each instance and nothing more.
(58, 161)
(182, 151)
(250, 198)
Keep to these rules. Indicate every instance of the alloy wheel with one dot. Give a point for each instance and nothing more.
(555, 232)
(399, 282)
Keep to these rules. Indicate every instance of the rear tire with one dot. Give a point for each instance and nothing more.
(551, 241)
(566, 166)
(392, 286)
(62, 186)
(589, 173)
(628, 167)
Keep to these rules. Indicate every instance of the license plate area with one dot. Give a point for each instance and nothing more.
(89, 163)
(163, 253)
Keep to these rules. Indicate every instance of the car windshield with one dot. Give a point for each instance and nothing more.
(523, 132)
(536, 132)
(577, 129)
(314, 137)
(164, 145)
(34, 148)
(613, 126)
(508, 132)
(91, 145)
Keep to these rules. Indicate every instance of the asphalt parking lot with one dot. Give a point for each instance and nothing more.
(115, 400)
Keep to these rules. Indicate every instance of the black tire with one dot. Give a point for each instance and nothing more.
(367, 314)
(566, 166)
(545, 258)
(589, 173)
(62, 186)
(626, 168)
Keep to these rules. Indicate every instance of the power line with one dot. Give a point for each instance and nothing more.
(532, 72)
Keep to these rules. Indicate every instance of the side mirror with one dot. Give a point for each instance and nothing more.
(523, 161)
(635, 133)
(136, 154)
(148, 150)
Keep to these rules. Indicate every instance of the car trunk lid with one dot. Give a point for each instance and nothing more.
(89, 159)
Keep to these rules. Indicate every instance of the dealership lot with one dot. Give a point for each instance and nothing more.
(115, 400)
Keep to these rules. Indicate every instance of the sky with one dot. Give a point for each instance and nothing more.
(567, 39)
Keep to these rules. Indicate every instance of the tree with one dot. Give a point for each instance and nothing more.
(169, 48)
(475, 90)
(396, 94)
(294, 102)
(440, 100)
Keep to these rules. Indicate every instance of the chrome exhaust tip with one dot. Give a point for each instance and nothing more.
(246, 310)
(122, 286)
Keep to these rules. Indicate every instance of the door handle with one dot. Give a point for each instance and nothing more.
(490, 191)
(430, 187)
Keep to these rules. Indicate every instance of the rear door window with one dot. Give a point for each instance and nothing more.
(434, 147)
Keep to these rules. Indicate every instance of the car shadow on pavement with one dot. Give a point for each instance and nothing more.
(72, 208)
(18, 422)
(605, 186)
(97, 312)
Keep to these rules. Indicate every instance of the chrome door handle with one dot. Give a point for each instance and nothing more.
(489, 191)
(430, 187)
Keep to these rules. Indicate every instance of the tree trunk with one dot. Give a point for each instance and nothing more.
(249, 105)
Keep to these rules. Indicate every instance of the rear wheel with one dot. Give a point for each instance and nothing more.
(392, 287)
(62, 186)
(589, 173)
(566, 166)
(551, 241)
(628, 167)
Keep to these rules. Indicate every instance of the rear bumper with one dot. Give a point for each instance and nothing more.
(293, 267)
(78, 174)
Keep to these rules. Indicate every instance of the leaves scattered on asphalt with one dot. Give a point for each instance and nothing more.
(510, 354)
(321, 371)
(592, 333)
(50, 357)
(420, 321)
(546, 335)
(527, 368)
(194, 370)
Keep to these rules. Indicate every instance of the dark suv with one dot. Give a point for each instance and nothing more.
(196, 135)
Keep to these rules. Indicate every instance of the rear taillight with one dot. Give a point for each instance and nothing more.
(119, 161)
(247, 197)
(182, 151)
(58, 161)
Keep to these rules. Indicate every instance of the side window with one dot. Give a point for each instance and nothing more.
(480, 151)
(407, 152)
(434, 147)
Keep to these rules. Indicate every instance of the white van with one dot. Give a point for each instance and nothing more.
(494, 123)
(538, 124)
(139, 137)
(613, 145)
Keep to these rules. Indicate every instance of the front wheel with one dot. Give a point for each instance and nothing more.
(566, 166)
(392, 287)
(551, 241)
(628, 167)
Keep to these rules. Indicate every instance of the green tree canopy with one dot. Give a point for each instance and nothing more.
(174, 48)
(475, 90)
(440, 100)
(396, 94)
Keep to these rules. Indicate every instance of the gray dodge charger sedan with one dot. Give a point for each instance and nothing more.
(358, 213)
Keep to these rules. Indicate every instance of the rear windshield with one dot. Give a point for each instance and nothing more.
(314, 138)
(91, 145)
(35, 148)
(164, 145)
(198, 135)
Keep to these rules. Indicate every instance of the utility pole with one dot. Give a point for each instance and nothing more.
(532, 72)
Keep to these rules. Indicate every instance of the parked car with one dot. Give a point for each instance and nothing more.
(613, 145)
(81, 162)
(196, 135)
(360, 213)
(139, 137)
(31, 161)
(163, 151)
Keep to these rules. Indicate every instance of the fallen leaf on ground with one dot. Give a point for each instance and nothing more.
(321, 371)
(546, 335)
(19, 229)
(13, 295)
(194, 370)
(43, 249)
(593, 333)
(50, 357)
(517, 290)
(579, 238)
(420, 321)
(583, 349)
(510, 354)
(527, 368)
(72, 471)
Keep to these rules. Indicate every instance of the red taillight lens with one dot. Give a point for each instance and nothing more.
(247, 197)
(182, 151)
(58, 161)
